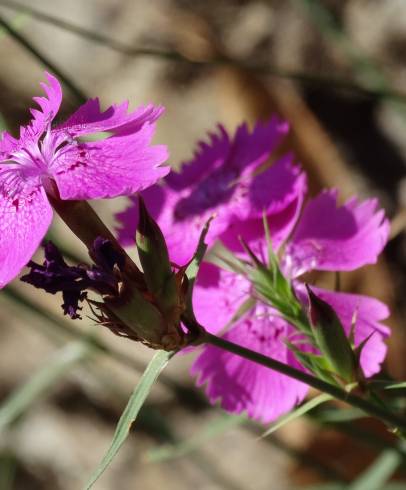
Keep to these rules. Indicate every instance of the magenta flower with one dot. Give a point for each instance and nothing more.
(58, 159)
(326, 237)
(220, 181)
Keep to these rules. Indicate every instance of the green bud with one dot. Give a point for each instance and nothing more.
(141, 319)
(330, 337)
(154, 257)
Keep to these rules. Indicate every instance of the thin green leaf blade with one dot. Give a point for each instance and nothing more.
(396, 386)
(298, 412)
(379, 472)
(325, 486)
(41, 381)
(193, 267)
(209, 431)
(136, 401)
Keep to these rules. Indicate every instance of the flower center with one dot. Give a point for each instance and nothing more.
(25, 168)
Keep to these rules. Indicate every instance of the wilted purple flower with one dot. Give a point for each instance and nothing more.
(223, 180)
(55, 275)
(57, 160)
(326, 237)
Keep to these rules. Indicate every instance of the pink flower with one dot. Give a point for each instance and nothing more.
(223, 180)
(58, 159)
(220, 180)
(326, 237)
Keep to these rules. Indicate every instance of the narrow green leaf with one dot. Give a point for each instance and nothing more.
(193, 267)
(18, 22)
(8, 470)
(326, 486)
(396, 485)
(303, 409)
(335, 415)
(209, 431)
(137, 399)
(396, 386)
(21, 399)
(222, 257)
(379, 472)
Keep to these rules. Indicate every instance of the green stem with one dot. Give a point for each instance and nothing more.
(356, 401)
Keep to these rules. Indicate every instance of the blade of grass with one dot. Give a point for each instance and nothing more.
(150, 420)
(61, 329)
(368, 438)
(17, 23)
(136, 401)
(27, 45)
(212, 429)
(378, 473)
(58, 330)
(326, 486)
(335, 415)
(8, 466)
(298, 412)
(193, 267)
(41, 381)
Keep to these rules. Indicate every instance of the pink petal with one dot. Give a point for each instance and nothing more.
(220, 176)
(337, 238)
(49, 107)
(253, 232)
(217, 295)
(245, 150)
(181, 235)
(253, 149)
(90, 119)
(241, 385)
(119, 165)
(272, 190)
(7, 145)
(369, 312)
(217, 182)
(207, 157)
(24, 220)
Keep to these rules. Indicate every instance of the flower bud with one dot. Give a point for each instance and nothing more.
(140, 319)
(154, 257)
(330, 337)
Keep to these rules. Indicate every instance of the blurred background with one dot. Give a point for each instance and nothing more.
(336, 69)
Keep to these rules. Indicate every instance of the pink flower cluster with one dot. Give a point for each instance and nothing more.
(224, 179)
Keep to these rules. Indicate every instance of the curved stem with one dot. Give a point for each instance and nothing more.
(370, 408)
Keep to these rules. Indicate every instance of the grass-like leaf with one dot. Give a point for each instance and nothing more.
(400, 485)
(62, 362)
(302, 410)
(379, 472)
(396, 386)
(193, 268)
(184, 447)
(137, 399)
